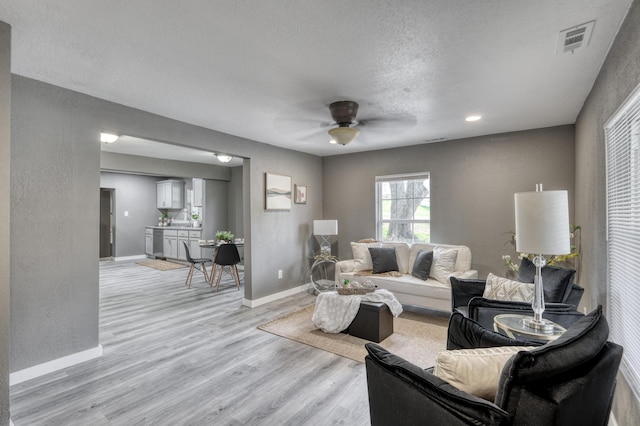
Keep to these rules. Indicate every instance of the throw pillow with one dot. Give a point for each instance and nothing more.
(498, 288)
(444, 261)
(361, 257)
(475, 371)
(422, 264)
(383, 259)
(556, 282)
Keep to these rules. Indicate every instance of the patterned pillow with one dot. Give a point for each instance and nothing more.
(444, 262)
(361, 257)
(498, 288)
(475, 371)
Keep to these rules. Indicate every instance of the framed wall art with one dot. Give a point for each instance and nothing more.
(300, 194)
(277, 192)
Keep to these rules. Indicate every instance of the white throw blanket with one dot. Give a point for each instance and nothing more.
(333, 312)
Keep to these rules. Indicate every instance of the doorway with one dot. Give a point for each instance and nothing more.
(106, 223)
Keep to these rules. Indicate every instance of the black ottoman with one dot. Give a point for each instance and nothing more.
(374, 322)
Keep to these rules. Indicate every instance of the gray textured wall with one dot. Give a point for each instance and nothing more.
(55, 177)
(235, 202)
(216, 208)
(5, 148)
(472, 186)
(110, 161)
(619, 75)
(55, 180)
(135, 194)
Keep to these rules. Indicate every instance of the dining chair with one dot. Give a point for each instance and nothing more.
(227, 255)
(198, 263)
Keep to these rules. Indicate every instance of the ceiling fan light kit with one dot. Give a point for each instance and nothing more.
(343, 135)
(344, 113)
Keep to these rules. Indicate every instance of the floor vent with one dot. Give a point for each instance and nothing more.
(574, 38)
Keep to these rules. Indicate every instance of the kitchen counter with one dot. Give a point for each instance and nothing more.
(179, 228)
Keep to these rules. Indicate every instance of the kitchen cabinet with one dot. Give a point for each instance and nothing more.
(192, 239)
(198, 192)
(170, 244)
(148, 241)
(170, 194)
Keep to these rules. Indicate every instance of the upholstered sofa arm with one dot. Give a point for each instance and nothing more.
(471, 274)
(575, 295)
(465, 333)
(483, 310)
(463, 290)
(345, 266)
(403, 393)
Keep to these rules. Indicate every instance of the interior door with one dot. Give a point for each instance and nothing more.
(106, 223)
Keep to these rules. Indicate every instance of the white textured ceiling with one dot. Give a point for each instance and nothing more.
(267, 70)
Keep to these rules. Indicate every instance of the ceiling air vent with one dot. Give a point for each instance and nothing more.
(574, 38)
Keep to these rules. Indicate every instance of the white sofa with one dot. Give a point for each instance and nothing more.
(409, 290)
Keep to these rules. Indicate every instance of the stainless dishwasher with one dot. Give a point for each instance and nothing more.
(158, 243)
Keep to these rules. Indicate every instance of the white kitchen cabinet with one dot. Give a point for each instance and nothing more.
(148, 244)
(198, 192)
(170, 244)
(183, 237)
(170, 194)
(194, 244)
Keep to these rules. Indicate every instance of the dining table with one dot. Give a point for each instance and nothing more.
(215, 245)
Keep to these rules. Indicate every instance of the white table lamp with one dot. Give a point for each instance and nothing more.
(325, 229)
(542, 228)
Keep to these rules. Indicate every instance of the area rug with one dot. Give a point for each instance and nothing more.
(161, 265)
(416, 338)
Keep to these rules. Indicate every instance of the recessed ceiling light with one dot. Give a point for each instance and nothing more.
(108, 137)
(473, 118)
(333, 141)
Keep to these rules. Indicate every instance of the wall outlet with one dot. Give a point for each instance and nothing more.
(279, 273)
(126, 213)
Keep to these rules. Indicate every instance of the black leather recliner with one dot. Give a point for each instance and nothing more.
(569, 381)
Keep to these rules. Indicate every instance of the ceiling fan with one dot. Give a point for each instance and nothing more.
(344, 114)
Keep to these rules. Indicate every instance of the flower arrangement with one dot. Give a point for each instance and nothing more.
(195, 215)
(224, 236)
(564, 260)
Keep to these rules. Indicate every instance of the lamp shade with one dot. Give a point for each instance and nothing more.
(325, 227)
(542, 222)
(343, 135)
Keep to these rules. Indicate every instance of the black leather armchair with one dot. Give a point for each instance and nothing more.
(466, 298)
(569, 381)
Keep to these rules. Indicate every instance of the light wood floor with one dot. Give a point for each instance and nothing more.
(178, 356)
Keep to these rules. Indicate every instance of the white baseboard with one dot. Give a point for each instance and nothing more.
(138, 256)
(612, 420)
(272, 297)
(54, 365)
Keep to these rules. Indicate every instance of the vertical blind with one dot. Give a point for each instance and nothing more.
(622, 134)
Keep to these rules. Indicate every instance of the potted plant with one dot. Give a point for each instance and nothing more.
(225, 236)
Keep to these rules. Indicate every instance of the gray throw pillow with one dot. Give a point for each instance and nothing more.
(422, 264)
(556, 282)
(383, 259)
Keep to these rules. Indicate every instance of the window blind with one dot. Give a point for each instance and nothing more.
(622, 134)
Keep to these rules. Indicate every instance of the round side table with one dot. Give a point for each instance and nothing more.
(514, 326)
(323, 273)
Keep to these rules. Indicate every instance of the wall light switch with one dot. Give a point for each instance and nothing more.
(126, 213)
(280, 274)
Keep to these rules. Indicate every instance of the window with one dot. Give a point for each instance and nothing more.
(622, 134)
(403, 208)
